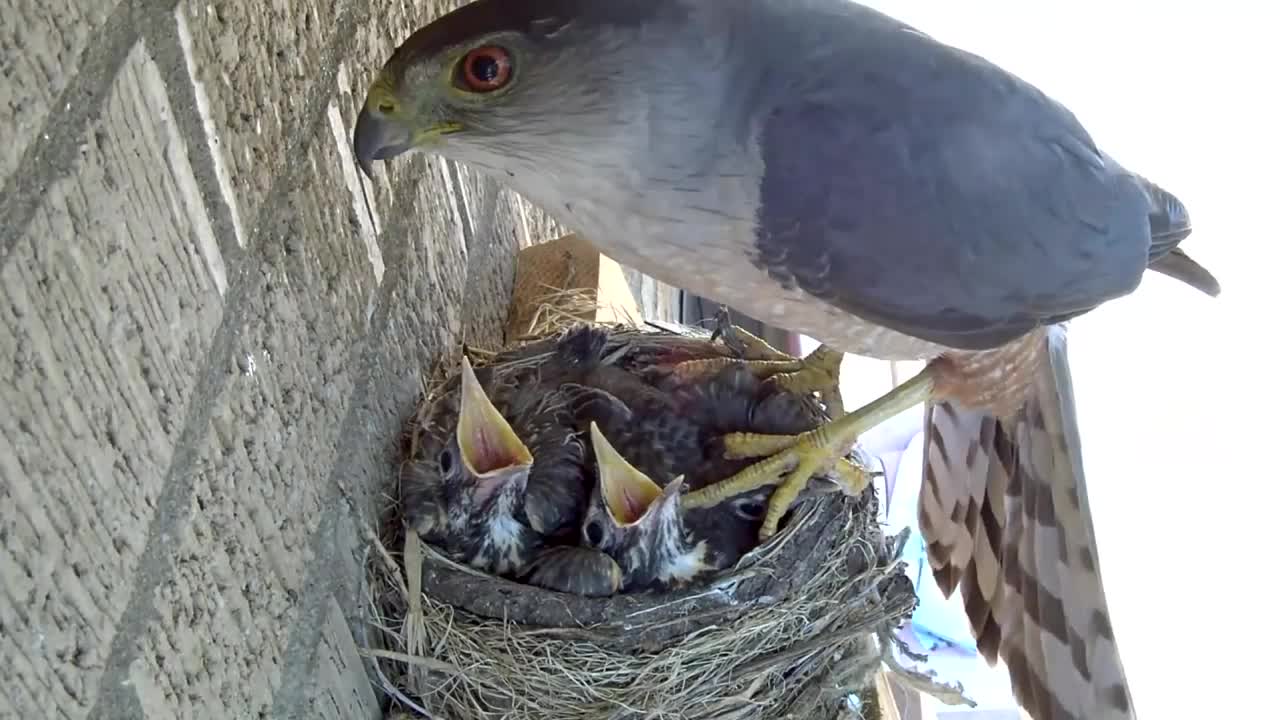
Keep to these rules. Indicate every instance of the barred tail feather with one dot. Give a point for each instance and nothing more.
(1005, 516)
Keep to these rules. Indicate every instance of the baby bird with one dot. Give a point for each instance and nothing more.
(591, 438)
(640, 525)
(656, 431)
(499, 469)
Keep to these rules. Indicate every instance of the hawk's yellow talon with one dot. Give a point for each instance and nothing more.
(746, 344)
(819, 371)
(786, 493)
(739, 446)
(802, 456)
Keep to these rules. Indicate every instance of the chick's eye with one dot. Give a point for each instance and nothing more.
(595, 533)
(446, 461)
(484, 69)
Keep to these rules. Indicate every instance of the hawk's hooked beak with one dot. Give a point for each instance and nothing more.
(628, 493)
(488, 445)
(378, 138)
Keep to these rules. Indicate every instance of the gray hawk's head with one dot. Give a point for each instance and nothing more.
(523, 89)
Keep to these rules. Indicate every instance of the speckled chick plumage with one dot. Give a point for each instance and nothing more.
(666, 422)
(669, 424)
(498, 530)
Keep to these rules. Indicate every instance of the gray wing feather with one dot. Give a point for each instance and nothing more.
(924, 189)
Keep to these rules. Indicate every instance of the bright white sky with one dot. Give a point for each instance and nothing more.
(1178, 477)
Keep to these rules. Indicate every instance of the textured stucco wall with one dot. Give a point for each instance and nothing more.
(208, 342)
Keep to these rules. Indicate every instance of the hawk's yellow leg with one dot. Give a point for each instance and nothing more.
(819, 371)
(801, 456)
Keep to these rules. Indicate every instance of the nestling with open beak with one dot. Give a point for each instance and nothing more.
(662, 407)
(489, 491)
(499, 479)
(679, 405)
(639, 524)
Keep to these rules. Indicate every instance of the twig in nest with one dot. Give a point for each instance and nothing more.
(415, 630)
(897, 544)
(412, 659)
(400, 697)
(924, 682)
(377, 621)
(559, 308)
(388, 562)
(902, 647)
(475, 354)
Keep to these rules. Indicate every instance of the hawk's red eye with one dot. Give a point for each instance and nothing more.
(484, 69)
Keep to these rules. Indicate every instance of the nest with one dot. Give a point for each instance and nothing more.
(790, 631)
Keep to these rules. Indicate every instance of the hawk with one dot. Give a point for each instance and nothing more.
(833, 171)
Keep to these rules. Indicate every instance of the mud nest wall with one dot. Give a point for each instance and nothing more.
(787, 633)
